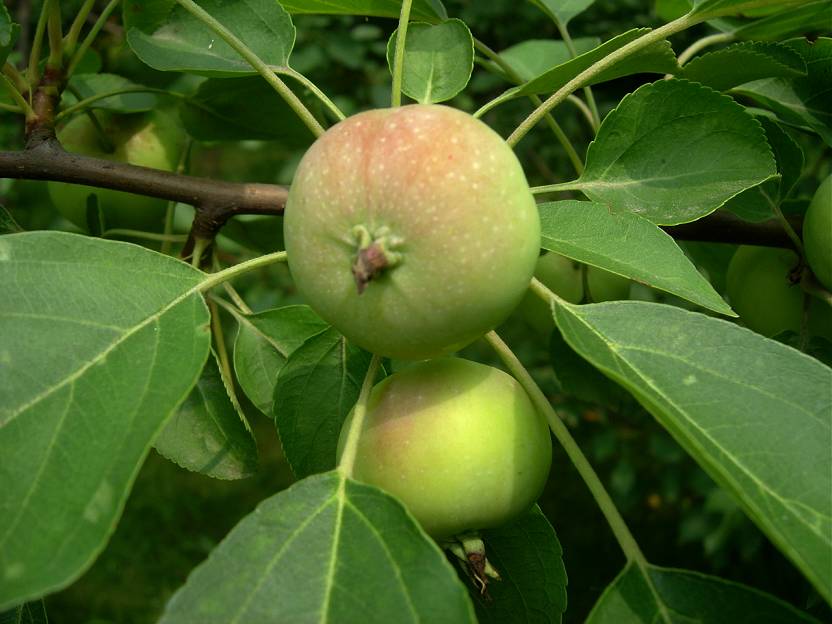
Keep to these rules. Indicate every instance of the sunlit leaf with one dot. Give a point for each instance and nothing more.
(101, 341)
(625, 244)
(438, 60)
(755, 414)
(326, 550)
(167, 37)
(674, 151)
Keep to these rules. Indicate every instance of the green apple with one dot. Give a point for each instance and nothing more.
(412, 230)
(149, 140)
(762, 292)
(606, 286)
(817, 233)
(458, 442)
(562, 276)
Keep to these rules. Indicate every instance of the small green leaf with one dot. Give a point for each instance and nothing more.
(263, 344)
(169, 38)
(801, 101)
(326, 550)
(428, 10)
(208, 433)
(684, 596)
(89, 85)
(564, 10)
(101, 342)
(657, 58)
(674, 151)
(795, 20)
(744, 62)
(239, 109)
(438, 60)
(316, 389)
(529, 559)
(755, 414)
(9, 32)
(714, 8)
(534, 57)
(625, 244)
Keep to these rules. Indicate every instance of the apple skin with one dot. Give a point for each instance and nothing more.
(606, 286)
(760, 292)
(817, 233)
(562, 276)
(443, 192)
(458, 442)
(149, 140)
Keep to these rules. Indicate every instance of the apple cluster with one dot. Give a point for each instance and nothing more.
(413, 232)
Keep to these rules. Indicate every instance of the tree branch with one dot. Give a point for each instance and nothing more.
(48, 161)
(217, 201)
(726, 227)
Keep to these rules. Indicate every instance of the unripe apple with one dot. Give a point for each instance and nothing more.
(150, 140)
(412, 230)
(817, 233)
(458, 442)
(606, 286)
(562, 276)
(762, 292)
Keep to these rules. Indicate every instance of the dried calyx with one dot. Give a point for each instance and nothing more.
(375, 254)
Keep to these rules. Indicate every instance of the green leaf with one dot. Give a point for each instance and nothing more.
(7, 223)
(101, 341)
(796, 20)
(534, 57)
(578, 378)
(684, 596)
(657, 58)
(208, 433)
(316, 389)
(29, 613)
(529, 558)
(757, 204)
(625, 244)
(802, 101)
(9, 32)
(755, 414)
(263, 344)
(89, 85)
(705, 9)
(744, 62)
(674, 151)
(438, 60)
(239, 109)
(168, 38)
(326, 550)
(669, 10)
(428, 10)
(564, 10)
